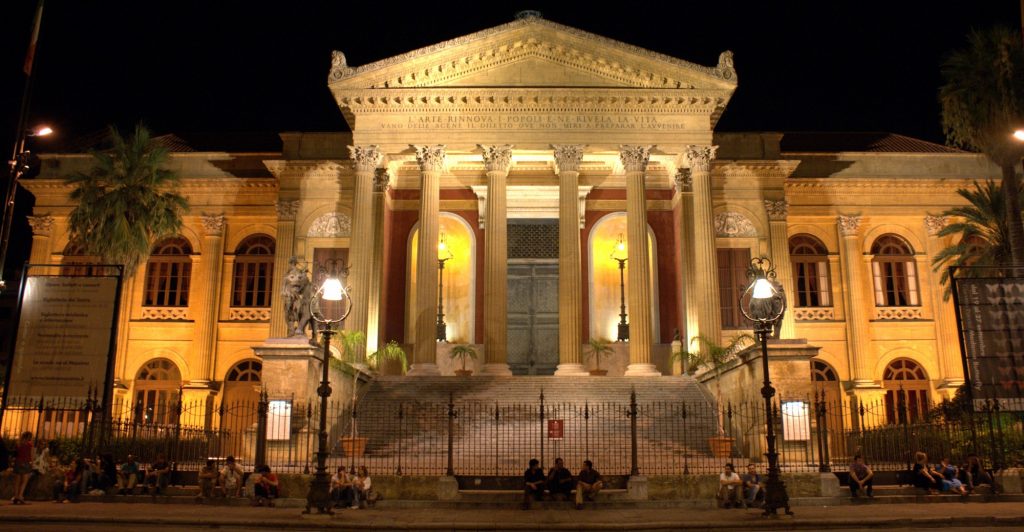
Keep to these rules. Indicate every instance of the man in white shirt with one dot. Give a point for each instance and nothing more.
(231, 478)
(729, 485)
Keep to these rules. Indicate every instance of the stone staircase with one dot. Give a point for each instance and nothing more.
(498, 425)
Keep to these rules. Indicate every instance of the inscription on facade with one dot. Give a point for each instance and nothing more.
(534, 121)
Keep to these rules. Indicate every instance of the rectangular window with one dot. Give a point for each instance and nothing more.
(732, 281)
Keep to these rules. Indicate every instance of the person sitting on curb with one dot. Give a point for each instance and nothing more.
(341, 489)
(231, 478)
(588, 484)
(264, 486)
(951, 474)
(361, 485)
(208, 477)
(729, 485)
(753, 487)
(127, 476)
(559, 481)
(533, 483)
(70, 487)
(158, 475)
(922, 474)
(861, 477)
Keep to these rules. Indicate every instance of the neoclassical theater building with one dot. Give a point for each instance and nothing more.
(531, 150)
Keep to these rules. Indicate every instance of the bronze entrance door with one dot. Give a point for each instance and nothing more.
(533, 316)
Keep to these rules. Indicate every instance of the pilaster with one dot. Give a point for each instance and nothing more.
(431, 161)
(42, 227)
(497, 160)
(204, 343)
(777, 211)
(570, 287)
(366, 159)
(857, 340)
(634, 162)
(705, 254)
(284, 250)
(947, 343)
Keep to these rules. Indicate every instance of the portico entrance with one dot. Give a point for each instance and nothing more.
(533, 297)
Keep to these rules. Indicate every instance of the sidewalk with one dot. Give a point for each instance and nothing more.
(1001, 514)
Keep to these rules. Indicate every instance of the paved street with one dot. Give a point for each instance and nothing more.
(101, 516)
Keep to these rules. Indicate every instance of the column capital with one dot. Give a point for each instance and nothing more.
(634, 157)
(213, 224)
(684, 180)
(777, 210)
(430, 158)
(568, 157)
(287, 209)
(848, 225)
(366, 157)
(934, 224)
(41, 225)
(497, 157)
(699, 157)
(381, 180)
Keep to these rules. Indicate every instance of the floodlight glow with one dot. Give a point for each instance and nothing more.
(763, 289)
(332, 290)
(42, 131)
(1019, 135)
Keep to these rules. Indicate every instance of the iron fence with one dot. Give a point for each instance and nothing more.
(496, 439)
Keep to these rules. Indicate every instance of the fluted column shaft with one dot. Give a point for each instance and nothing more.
(570, 285)
(634, 161)
(705, 253)
(684, 187)
(431, 161)
(360, 253)
(381, 180)
(497, 160)
(284, 248)
(777, 212)
(204, 341)
(857, 309)
(947, 343)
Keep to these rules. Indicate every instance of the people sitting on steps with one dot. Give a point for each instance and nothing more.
(588, 484)
(729, 488)
(533, 483)
(158, 475)
(559, 481)
(753, 487)
(861, 477)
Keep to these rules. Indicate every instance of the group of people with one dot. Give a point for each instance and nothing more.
(736, 491)
(350, 489)
(945, 477)
(560, 484)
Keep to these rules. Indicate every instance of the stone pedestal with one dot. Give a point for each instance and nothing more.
(291, 367)
(789, 365)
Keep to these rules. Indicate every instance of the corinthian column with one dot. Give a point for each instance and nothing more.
(857, 341)
(570, 287)
(684, 187)
(947, 344)
(204, 341)
(284, 248)
(705, 255)
(497, 160)
(381, 181)
(634, 161)
(42, 227)
(366, 159)
(777, 212)
(431, 161)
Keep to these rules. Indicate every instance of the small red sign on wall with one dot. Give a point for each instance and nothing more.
(556, 429)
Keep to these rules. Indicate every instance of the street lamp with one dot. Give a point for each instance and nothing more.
(19, 164)
(328, 307)
(1019, 135)
(619, 255)
(765, 306)
(444, 254)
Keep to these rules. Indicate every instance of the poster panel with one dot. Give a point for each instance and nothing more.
(64, 338)
(990, 315)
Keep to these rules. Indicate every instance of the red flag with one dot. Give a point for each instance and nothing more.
(30, 55)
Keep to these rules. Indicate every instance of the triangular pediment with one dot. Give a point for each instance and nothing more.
(532, 52)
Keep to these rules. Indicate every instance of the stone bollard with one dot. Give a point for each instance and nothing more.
(447, 489)
(636, 488)
(1011, 481)
(829, 485)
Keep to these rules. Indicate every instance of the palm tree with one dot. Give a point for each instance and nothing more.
(982, 104)
(980, 231)
(127, 201)
(715, 356)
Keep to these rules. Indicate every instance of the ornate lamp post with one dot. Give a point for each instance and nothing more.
(328, 307)
(765, 306)
(619, 255)
(18, 165)
(444, 254)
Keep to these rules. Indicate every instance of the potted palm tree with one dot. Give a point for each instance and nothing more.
(390, 352)
(715, 357)
(462, 352)
(596, 349)
(691, 360)
(350, 343)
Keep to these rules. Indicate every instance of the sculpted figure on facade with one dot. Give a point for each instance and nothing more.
(297, 292)
(339, 65)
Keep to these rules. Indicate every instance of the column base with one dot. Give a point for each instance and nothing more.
(642, 370)
(571, 370)
(496, 369)
(427, 369)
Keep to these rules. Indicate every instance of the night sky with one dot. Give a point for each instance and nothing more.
(234, 66)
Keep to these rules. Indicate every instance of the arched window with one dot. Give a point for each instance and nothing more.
(75, 261)
(167, 274)
(810, 269)
(245, 371)
(254, 272)
(906, 391)
(894, 272)
(156, 391)
(822, 372)
(826, 382)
